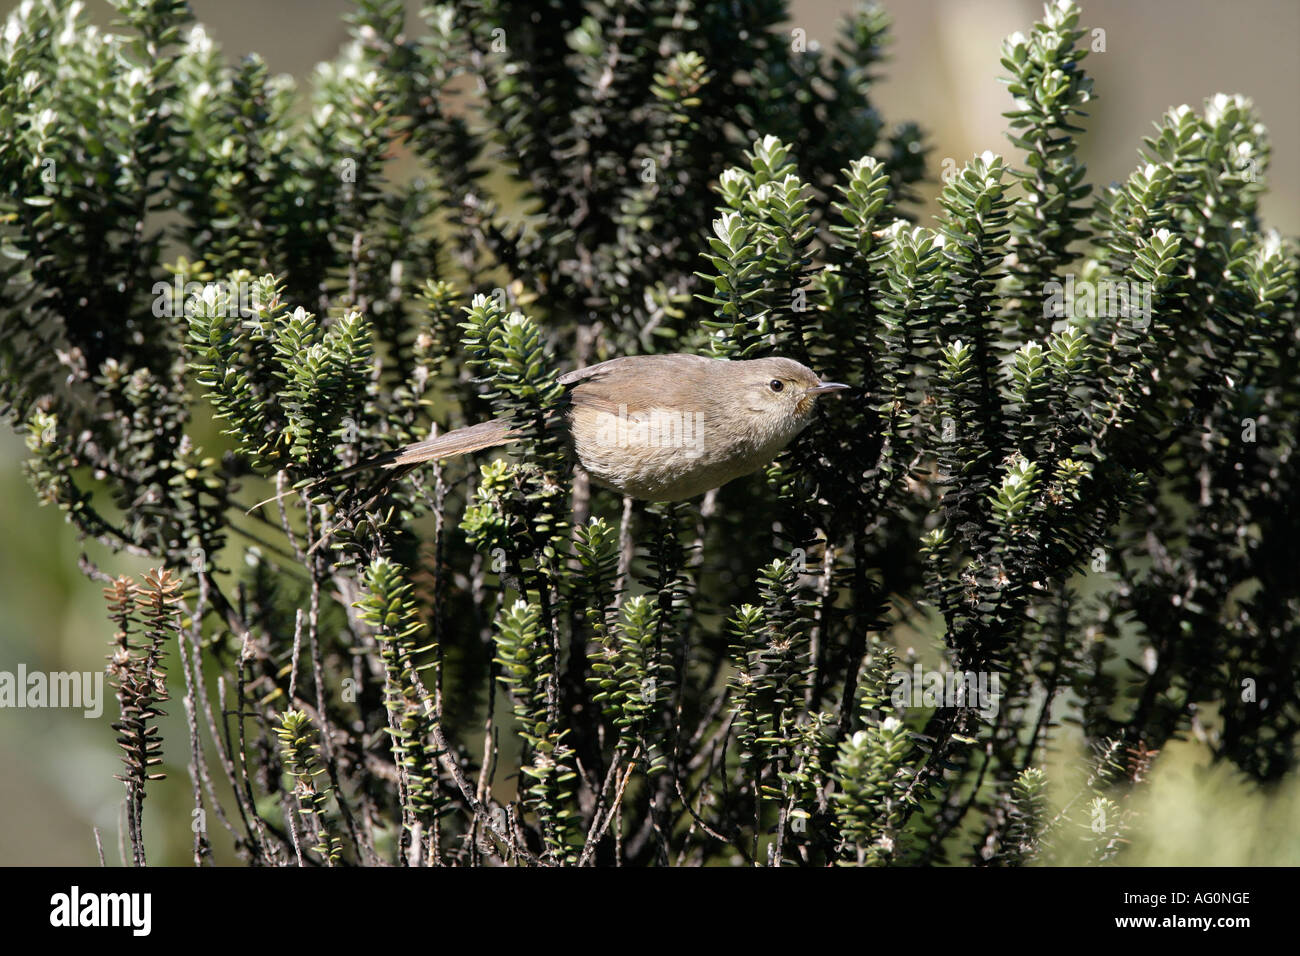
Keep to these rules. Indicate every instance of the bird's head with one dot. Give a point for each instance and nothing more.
(777, 395)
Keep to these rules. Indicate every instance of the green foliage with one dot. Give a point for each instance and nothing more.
(627, 673)
(1049, 89)
(867, 804)
(297, 738)
(1067, 469)
(387, 608)
(1028, 810)
(762, 254)
(528, 667)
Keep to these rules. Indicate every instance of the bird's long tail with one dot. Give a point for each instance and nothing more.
(462, 441)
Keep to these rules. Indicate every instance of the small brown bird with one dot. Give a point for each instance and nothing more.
(662, 427)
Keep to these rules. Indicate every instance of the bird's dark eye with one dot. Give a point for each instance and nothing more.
(776, 385)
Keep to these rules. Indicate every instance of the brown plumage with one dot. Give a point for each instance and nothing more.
(661, 427)
(462, 441)
(657, 427)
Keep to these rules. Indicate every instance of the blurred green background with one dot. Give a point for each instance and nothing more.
(57, 779)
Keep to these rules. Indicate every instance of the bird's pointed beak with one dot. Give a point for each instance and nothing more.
(825, 388)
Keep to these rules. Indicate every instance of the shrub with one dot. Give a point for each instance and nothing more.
(1069, 462)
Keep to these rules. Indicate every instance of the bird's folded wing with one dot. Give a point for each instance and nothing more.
(637, 382)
